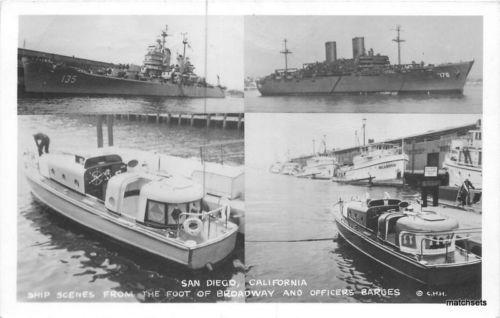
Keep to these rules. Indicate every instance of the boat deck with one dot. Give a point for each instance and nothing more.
(216, 229)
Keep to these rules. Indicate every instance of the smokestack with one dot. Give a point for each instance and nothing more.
(330, 51)
(358, 47)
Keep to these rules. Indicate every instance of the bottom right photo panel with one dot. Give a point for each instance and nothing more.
(363, 207)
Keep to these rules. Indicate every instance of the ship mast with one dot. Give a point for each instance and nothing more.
(164, 35)
(286, 51)
(184, 43)
(364, 132)
(398, 40)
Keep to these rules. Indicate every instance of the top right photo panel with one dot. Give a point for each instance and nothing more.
(364, 64)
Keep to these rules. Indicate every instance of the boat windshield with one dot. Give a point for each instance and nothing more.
(162, 214)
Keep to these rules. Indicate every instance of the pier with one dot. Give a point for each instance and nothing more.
(206, 120)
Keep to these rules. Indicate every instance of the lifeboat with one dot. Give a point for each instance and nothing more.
(420, 244)
(166, 215)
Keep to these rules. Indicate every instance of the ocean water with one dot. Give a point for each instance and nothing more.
(108, 104)
(281, 209)
(58, 256)
(470, 102)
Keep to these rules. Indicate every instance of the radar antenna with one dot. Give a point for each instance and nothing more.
(164, 35)
(286, 51)
(398, 40)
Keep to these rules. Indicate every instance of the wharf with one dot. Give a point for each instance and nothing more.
(209, 120)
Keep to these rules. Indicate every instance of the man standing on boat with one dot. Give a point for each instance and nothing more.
(42, 142)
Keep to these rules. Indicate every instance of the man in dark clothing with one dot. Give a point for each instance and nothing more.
(42, 143)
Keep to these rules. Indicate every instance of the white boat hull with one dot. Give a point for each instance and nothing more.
(458, 173)
(89, 215)
(380, 169)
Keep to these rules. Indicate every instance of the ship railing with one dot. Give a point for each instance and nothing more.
(453, 235)
(216, 214)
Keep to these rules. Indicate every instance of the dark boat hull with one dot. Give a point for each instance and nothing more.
(447, 79)
(425, 274)
(43, 78)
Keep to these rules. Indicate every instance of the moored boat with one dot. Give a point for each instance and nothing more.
(464, 160)
(380, 162)
(319, 167)
(46, 73)
(419, 244)
(166, 215)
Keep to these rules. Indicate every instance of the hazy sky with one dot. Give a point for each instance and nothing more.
(124, 39)
(268, 137)
(433, 39)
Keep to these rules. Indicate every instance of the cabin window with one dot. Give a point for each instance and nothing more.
(480, 158)
(408, 240)
(156, 213)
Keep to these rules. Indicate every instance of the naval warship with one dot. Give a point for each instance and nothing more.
(365, 73)
(55, 74)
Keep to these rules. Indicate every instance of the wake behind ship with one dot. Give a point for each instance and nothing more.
(364, 73)
(51, 74)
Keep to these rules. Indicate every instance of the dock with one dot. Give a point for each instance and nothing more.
(206, 120)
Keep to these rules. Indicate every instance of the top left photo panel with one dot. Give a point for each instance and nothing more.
(141, 64)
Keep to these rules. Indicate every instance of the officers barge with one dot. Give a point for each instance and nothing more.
(55, 74)
(165, 215)
(365, 73)
(421, 245)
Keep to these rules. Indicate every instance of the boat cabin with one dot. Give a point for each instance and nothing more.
(394, 222)
(87, 175)
(152, 200)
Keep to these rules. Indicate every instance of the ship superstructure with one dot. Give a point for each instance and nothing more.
(365, 72)
(156, 77)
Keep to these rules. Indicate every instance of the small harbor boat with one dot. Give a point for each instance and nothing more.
(290, 168)
(166, 215)
(418, 243)
(464, 160)
(319, 167)
(380, 162)
(276, 167)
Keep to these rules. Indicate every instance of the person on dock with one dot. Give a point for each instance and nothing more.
(42, 142)
(464, 193)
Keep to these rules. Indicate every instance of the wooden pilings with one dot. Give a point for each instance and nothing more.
(208, 120)
(100, 135)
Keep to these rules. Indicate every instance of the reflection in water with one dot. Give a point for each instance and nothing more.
(50, 104)
(469, 102)
(58, 256)
(87, 255)
(289, 210)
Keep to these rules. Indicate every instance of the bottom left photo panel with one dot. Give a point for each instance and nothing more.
(131, 208)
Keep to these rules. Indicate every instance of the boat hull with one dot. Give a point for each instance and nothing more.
(429, 275)
(76, 210)
(458, 173)
(43, 78)
(446, 78)
(382, 169)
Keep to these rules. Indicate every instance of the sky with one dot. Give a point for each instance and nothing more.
(124, 39)
(432, 39)
(269, 137)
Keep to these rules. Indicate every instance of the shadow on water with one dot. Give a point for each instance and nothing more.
(468, 102)
(101, 258)
(56, 104)
(361, 272)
